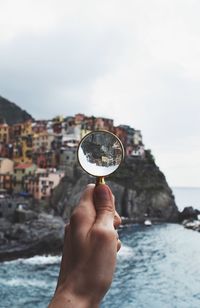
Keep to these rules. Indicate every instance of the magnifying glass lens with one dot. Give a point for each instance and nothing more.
(100, 153)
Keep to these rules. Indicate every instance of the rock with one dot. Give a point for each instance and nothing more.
(22, 215)
(189, 213)
(192, 224)
(43, 235)
(118, 192)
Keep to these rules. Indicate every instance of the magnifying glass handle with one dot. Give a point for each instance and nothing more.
(100, 180)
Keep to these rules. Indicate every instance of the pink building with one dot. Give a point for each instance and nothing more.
(42, 184)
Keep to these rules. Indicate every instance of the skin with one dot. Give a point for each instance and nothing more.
(90, 248)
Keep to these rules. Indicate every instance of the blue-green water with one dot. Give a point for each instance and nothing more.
(158, 267)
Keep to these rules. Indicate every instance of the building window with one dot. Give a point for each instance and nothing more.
(10, 205)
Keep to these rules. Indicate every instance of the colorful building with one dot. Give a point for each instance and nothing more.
(43, 141)
(46, 159)
(41, 185)
(22, 150)
(6, 182)
(57, 124)
(4, 133)
(6, 165)
(6, 171)
(39, 126)
(68, 157)
(21, 172)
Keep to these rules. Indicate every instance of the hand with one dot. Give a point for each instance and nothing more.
(90, 248)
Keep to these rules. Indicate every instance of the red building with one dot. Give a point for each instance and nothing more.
(121, 133)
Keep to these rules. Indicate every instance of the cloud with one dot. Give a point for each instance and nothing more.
(134, 61)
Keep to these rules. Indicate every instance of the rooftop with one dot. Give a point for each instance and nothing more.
(23, 166)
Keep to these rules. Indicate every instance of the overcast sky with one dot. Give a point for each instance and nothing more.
(136, 61)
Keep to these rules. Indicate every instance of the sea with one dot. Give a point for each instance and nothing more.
(157, 267)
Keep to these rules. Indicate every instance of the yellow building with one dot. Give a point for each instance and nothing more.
(22, 152)
(26, 128)
(42, 141)
(84, 132)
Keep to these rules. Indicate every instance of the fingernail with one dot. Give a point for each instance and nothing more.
(102, 193)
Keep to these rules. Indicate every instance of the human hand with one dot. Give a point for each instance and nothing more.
(90, 247)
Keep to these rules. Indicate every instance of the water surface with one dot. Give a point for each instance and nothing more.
(158, 267)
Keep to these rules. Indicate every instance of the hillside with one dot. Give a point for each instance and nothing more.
(11, 113)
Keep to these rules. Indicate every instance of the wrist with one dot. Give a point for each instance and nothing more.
(66, 299)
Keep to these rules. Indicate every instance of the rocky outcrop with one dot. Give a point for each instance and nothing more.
(192, 224)
(39, 234)
(189, 213)
(140, 190)
(190, 218)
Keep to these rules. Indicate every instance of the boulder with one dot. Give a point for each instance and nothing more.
(189, 213)
(43, 235)
(192, 224)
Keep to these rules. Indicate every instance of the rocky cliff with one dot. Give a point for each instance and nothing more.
(140, 190)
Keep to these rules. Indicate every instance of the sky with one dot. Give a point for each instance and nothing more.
(135, 61)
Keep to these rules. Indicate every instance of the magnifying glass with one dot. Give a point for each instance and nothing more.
(100, 153)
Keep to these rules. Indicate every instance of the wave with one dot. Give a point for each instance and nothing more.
(43, 260)
(37, 260)
(126, 252)
(20, 282)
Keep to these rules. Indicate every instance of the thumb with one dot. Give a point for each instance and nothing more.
(104, 205)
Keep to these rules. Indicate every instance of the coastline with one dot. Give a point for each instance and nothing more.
(43, 234)
(51, 241)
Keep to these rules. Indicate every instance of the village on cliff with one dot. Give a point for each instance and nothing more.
(34, 154)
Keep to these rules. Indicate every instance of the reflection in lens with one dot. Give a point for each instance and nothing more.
(100, 153)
